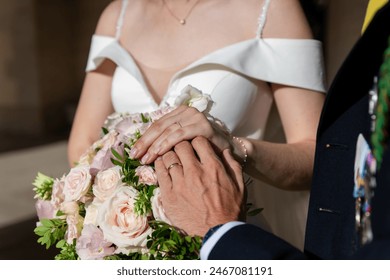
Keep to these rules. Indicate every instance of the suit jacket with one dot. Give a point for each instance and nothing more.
(330, 230)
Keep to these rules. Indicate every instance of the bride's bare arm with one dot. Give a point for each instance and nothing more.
(93, 108)
(288, 166)
(95, 99)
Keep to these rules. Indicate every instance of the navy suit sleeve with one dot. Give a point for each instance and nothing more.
(248, 242)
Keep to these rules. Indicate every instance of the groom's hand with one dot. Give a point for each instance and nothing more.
(199, 190)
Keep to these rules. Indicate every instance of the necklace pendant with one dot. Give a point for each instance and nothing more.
(182, 21)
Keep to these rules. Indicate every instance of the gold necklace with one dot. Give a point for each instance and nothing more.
(183, 20)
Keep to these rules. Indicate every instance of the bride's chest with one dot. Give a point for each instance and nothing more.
(233, 93)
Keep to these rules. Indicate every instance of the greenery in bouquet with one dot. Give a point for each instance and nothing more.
(108, 205)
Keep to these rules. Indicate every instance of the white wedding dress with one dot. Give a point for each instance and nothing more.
(236, 77)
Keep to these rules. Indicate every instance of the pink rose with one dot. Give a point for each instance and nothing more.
(91, 245)
(102, 159)
(70, 208)
(146, 175)
(87, 157)
(129, 128)
(106, 181)
(75, 224)
(118, 221)
(157, 207)
(155, 115)
(77, 183)
(45, 210)
(113, 119)
(57, 195)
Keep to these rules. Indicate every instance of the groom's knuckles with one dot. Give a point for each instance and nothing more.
(183, 147)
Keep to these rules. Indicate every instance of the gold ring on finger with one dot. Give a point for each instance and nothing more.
(173, 165)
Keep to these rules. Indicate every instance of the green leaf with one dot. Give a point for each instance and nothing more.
(145, 119)
(167, 243)
(104, 130)
(254, 212)
(116, 162)
(50, 231)
(117, 155)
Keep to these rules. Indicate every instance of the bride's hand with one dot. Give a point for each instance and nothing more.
(183, 123)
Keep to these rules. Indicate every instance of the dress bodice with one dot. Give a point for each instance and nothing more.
(235, 76)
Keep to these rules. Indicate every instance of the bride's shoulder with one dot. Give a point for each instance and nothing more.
(107, 22)
(286, 19)
(108, 19)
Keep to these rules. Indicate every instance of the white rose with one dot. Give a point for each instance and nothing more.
(106, 182)
(91, 212)
(193, 97)
(119, 223)
(77, 183)
(157, 207)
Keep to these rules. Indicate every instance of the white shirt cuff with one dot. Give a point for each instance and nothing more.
(210, 243)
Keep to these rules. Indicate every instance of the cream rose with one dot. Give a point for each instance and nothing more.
(157, 207)
(77, 183)
(106, 182)
(91, 212)
(146, 175)
(119, 223)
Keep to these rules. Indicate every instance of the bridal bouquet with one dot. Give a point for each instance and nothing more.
(108, 206)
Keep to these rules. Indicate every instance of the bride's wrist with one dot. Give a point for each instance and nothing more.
(240, 150)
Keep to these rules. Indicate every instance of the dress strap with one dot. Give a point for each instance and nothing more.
(262, 19)
(119, 23)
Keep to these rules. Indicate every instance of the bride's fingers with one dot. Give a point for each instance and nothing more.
(177, 116)
(153, 132)
(166, 133)
(169, 138)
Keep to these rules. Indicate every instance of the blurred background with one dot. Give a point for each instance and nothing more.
(44, 46)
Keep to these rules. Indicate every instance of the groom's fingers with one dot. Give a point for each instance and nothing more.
(187, 156)
(204, 150)
(164, 180)
(233, 168)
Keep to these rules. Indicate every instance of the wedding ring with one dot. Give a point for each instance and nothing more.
(173, 165)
